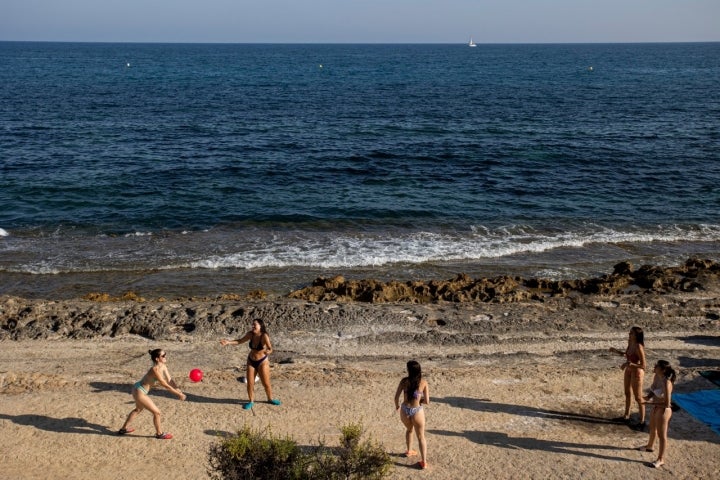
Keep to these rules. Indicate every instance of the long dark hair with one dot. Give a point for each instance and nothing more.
(669, 374)
(663, 364)
(413, 378)
(639, 335)
(262, 325)
(155, 354)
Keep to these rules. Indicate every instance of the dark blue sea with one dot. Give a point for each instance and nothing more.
(195, 170)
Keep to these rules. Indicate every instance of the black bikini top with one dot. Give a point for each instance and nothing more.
(257, 347)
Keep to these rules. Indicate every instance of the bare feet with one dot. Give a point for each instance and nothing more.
(410, 453)
(644, 448)
(658, 463)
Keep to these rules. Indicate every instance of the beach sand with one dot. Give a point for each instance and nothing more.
(521, 390)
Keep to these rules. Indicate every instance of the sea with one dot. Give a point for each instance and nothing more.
(194, 170)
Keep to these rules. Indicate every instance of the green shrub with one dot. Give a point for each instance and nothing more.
(253, 454)
(352, 460)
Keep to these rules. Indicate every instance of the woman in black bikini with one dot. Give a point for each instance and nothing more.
(415, 392)
(634, 371)
(257, 361)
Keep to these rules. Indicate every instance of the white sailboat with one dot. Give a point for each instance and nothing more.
(471, 43)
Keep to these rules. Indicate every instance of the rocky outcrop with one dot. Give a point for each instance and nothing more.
(693, 276)
(457, 311)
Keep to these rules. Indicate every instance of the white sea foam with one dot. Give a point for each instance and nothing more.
(4, 233)
(41, 269)
(373, 251)
(261, 249)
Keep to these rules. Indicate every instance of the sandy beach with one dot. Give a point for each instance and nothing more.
(518, 390)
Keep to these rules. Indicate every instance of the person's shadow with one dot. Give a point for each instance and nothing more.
(160, 392)
(485, 405)
(709, 340)
(60, 425)
(503, 440)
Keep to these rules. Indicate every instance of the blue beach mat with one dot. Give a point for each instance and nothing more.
(703, 405)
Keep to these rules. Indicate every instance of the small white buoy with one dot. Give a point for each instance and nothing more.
(128, 64)
(320, 66)
(590, 69)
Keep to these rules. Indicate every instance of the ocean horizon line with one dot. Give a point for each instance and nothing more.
(368, 43)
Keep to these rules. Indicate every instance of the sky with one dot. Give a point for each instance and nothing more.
(361, 21)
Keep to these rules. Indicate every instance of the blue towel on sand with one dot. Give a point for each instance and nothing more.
(703, 405)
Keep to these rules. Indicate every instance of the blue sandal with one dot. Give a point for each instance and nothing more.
(248, 405)
(275, 401)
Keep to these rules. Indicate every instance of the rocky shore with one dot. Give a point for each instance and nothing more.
(457, 311)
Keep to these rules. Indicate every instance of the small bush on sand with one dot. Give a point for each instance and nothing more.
(253, 454)
(353, 459)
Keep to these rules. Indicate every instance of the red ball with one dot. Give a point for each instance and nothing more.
(196, 374)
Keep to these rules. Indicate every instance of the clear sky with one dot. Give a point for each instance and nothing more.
(361, 21)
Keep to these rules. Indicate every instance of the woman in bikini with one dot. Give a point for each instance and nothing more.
(660, 398)
(157, 374)
(257, 361)
(415, 393)
(634, 368)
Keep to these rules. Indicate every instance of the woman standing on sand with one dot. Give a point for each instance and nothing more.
(415, 393)
(634, 368)
(660, 398)
(157, 374)
(257, 361)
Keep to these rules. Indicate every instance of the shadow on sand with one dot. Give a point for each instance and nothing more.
(692, 362)
(484, 405)
(60, 425)
(709, 340)
(161, 392)
(503, 440)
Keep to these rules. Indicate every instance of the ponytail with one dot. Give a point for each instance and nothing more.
(670, 374)
(155, 354)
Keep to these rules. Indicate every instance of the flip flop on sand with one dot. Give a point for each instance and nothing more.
(164, 436)
(657, 464)
(124, 431)
(275, 401)
(644, 448)
(410, 453)
(422, 465)
(248, 405)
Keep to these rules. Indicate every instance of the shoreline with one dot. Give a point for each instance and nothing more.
(564, 264)
(460, 310)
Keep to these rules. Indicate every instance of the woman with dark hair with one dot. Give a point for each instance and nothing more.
(415, 393)
(257, 361)
(660, 397)
(157, 374)
(634, 368)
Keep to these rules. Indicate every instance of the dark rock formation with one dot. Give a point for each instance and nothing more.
(690, 277)
(459, 310)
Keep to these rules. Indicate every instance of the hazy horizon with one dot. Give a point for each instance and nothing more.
(369, 22)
